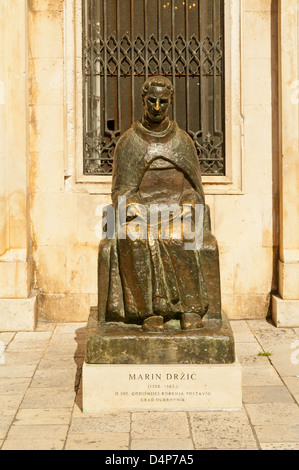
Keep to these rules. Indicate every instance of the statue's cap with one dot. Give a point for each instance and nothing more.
(157, 81)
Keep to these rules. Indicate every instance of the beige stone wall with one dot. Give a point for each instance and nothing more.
(247, 226)
(64, 259)
(14, 207)
(63, 214)
(286, 303)
(17, 304)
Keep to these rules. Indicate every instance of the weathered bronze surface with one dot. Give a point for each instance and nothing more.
(120, 343)
(158, 302)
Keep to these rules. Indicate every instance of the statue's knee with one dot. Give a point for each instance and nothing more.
(209, 244)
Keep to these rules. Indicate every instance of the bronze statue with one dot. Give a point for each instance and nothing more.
(151, 280)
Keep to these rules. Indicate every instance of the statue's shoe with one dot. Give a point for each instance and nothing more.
(191, 321)
(154, 324)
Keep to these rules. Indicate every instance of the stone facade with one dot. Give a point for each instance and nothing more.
(48, 245)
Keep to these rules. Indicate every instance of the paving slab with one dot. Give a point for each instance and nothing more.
(284, 368)
(10, 404)
(24, 337)
(260, 376)
(269, 336)
(67, 328)
(48, 398)
(261, 324)
(33, 444)
(44, 326)
(248, 354)
(280, 446)
(60, 348)
(242, 332)
(18, 371)
(68, 350)
(77, 411)
(285, 359)
(55, 379)
(24, 358)
(36, 432)
(150, 425)
(59, 363)
(5, 423)
(26, 346)
(222, 430)
(68, 338)
(6, 338)
(162, 444)
(293, 385)
(57, 416)
(272, 434)
(105, 441)
(14, 386)
(272, 414)
(98, 425)
(267, 394)
(35, 341)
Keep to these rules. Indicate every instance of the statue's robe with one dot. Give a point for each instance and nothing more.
(151, 275)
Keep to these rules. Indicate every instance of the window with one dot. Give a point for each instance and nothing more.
(125, 42)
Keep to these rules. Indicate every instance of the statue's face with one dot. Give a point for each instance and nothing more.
(156, 104)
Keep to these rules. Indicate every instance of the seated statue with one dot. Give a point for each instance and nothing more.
(151, 279)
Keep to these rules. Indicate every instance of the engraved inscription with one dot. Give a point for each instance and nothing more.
(167, 376)
(163, 387)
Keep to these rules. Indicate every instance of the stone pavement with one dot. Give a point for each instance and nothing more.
(40, 399)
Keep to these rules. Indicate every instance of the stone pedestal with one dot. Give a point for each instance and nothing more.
(167, 387)
(128, 369)
(119, 343)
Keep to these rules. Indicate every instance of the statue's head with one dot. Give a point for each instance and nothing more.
(157, 95)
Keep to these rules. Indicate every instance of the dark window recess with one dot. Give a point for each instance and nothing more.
(111, 125)
(125, 42)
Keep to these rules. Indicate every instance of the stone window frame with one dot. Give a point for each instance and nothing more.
(75, 180)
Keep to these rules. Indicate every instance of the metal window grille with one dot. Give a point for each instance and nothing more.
(125, 42)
